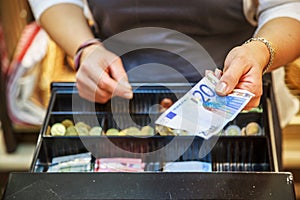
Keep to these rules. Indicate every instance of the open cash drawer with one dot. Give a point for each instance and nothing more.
(225, 153)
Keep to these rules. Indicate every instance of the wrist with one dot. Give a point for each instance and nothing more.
(83, 50)
(87, 51)
(266, 47)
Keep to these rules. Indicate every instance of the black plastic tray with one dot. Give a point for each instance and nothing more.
(230, 153)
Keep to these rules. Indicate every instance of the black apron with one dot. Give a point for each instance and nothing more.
(170, 40)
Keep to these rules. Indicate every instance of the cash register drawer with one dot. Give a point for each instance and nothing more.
(225, 153)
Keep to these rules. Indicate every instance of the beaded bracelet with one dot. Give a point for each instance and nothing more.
(80, 50)
(270, 48)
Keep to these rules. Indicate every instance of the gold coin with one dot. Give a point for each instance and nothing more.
(233, 130)
(71, 131)
(112, 132)
(82, 130)
(131, 131)
(147, 130)
(82, 124)
(48, 130)
(164, 131)
(67, 123)
(96, 130)
(58, 129)
(243, 131)
(253, 128)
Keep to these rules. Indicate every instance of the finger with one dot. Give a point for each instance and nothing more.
(208, 72)
(95, 97)
(99, 74)
(254, 102)
(229, 79)
(251, 86)
(118, 72)
(88, 89)
(100, 96)
(108, 84)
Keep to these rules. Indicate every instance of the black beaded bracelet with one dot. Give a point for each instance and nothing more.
(79, 51)
(270, 48)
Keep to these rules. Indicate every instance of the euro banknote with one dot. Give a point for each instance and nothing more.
(201, 111)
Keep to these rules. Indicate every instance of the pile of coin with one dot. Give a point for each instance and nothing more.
(68, 128)
(167, 131)
(131, 131)
(251, 129)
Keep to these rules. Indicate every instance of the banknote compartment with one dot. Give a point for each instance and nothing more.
(228, 154)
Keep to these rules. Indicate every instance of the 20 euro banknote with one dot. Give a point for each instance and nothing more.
(201, 111)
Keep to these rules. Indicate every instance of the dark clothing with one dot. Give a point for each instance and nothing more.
(216, 25)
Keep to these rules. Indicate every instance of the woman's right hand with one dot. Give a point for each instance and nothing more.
(101, 75)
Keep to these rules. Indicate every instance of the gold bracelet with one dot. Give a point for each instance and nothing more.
(270, 48)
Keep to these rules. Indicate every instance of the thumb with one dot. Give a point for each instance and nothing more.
(229, 80)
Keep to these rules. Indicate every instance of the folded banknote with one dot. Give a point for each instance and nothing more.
(201, 111)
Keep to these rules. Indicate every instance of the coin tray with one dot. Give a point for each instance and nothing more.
(226, 153)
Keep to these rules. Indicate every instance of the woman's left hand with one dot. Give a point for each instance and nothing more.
(243, 69)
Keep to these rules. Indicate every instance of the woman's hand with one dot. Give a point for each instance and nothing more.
(243, 68)
(101, 75)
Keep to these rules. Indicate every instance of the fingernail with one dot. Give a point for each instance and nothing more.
(221, 87)
(128, 95)
(206, 72)
(218, 73)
